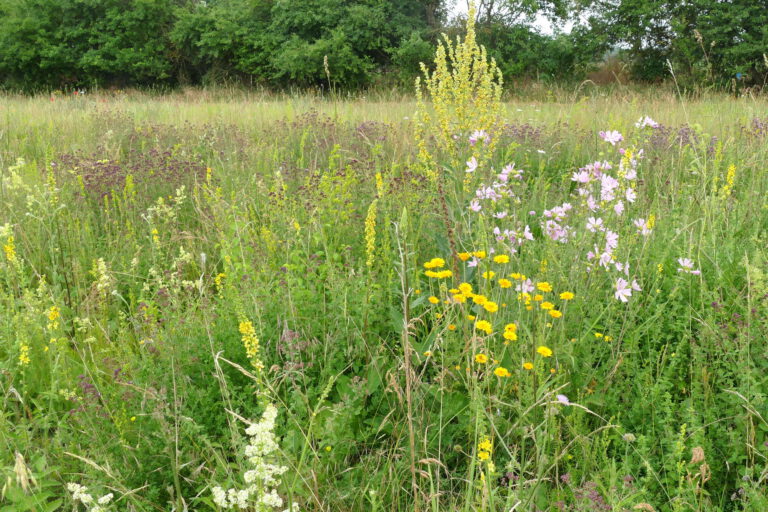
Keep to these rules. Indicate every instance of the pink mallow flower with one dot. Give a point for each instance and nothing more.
(612, 137)
(479, 135)
(686, 265)
(624, 289)
(472, 164)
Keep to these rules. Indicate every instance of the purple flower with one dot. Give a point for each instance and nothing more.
(500, 215)
(642, 227)
(475, 205)
(563, 399)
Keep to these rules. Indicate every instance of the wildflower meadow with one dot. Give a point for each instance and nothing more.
(451, 300)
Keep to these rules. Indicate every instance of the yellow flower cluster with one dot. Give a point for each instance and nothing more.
(251, 343)
(510, 332)
(370, 234)
(485, 449)
(24, 355)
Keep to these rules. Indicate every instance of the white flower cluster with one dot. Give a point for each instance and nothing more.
(263, 475)
(80, 493)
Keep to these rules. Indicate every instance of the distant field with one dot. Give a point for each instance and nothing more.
(587, 335)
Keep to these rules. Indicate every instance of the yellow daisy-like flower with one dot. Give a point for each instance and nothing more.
(479, 299)
(511, 327)
(515, 275)
(454, 290)
(465, 288)
(501, 258)
(481, 358)
(491, 306)
(528, 366)
(501, 372)
(434, 300)
(544, 286)
(479, 254)
(460, 298)
(567, 296)
(510, 335)
(464, 256)
(598, 335)
(547, 306)
(485, 326)
(451, 327)
(505, 283)
(538, 297)
(470, 317)
(427, 353)
(555, 313)
(544, 351)
(489, 274)
(430, 273)
(435, 263)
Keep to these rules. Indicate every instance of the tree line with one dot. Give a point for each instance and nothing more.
(47, 44)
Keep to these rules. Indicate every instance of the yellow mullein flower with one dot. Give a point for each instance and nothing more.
(483, 455)
(485, 445)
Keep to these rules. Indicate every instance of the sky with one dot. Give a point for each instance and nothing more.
(541, 22)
